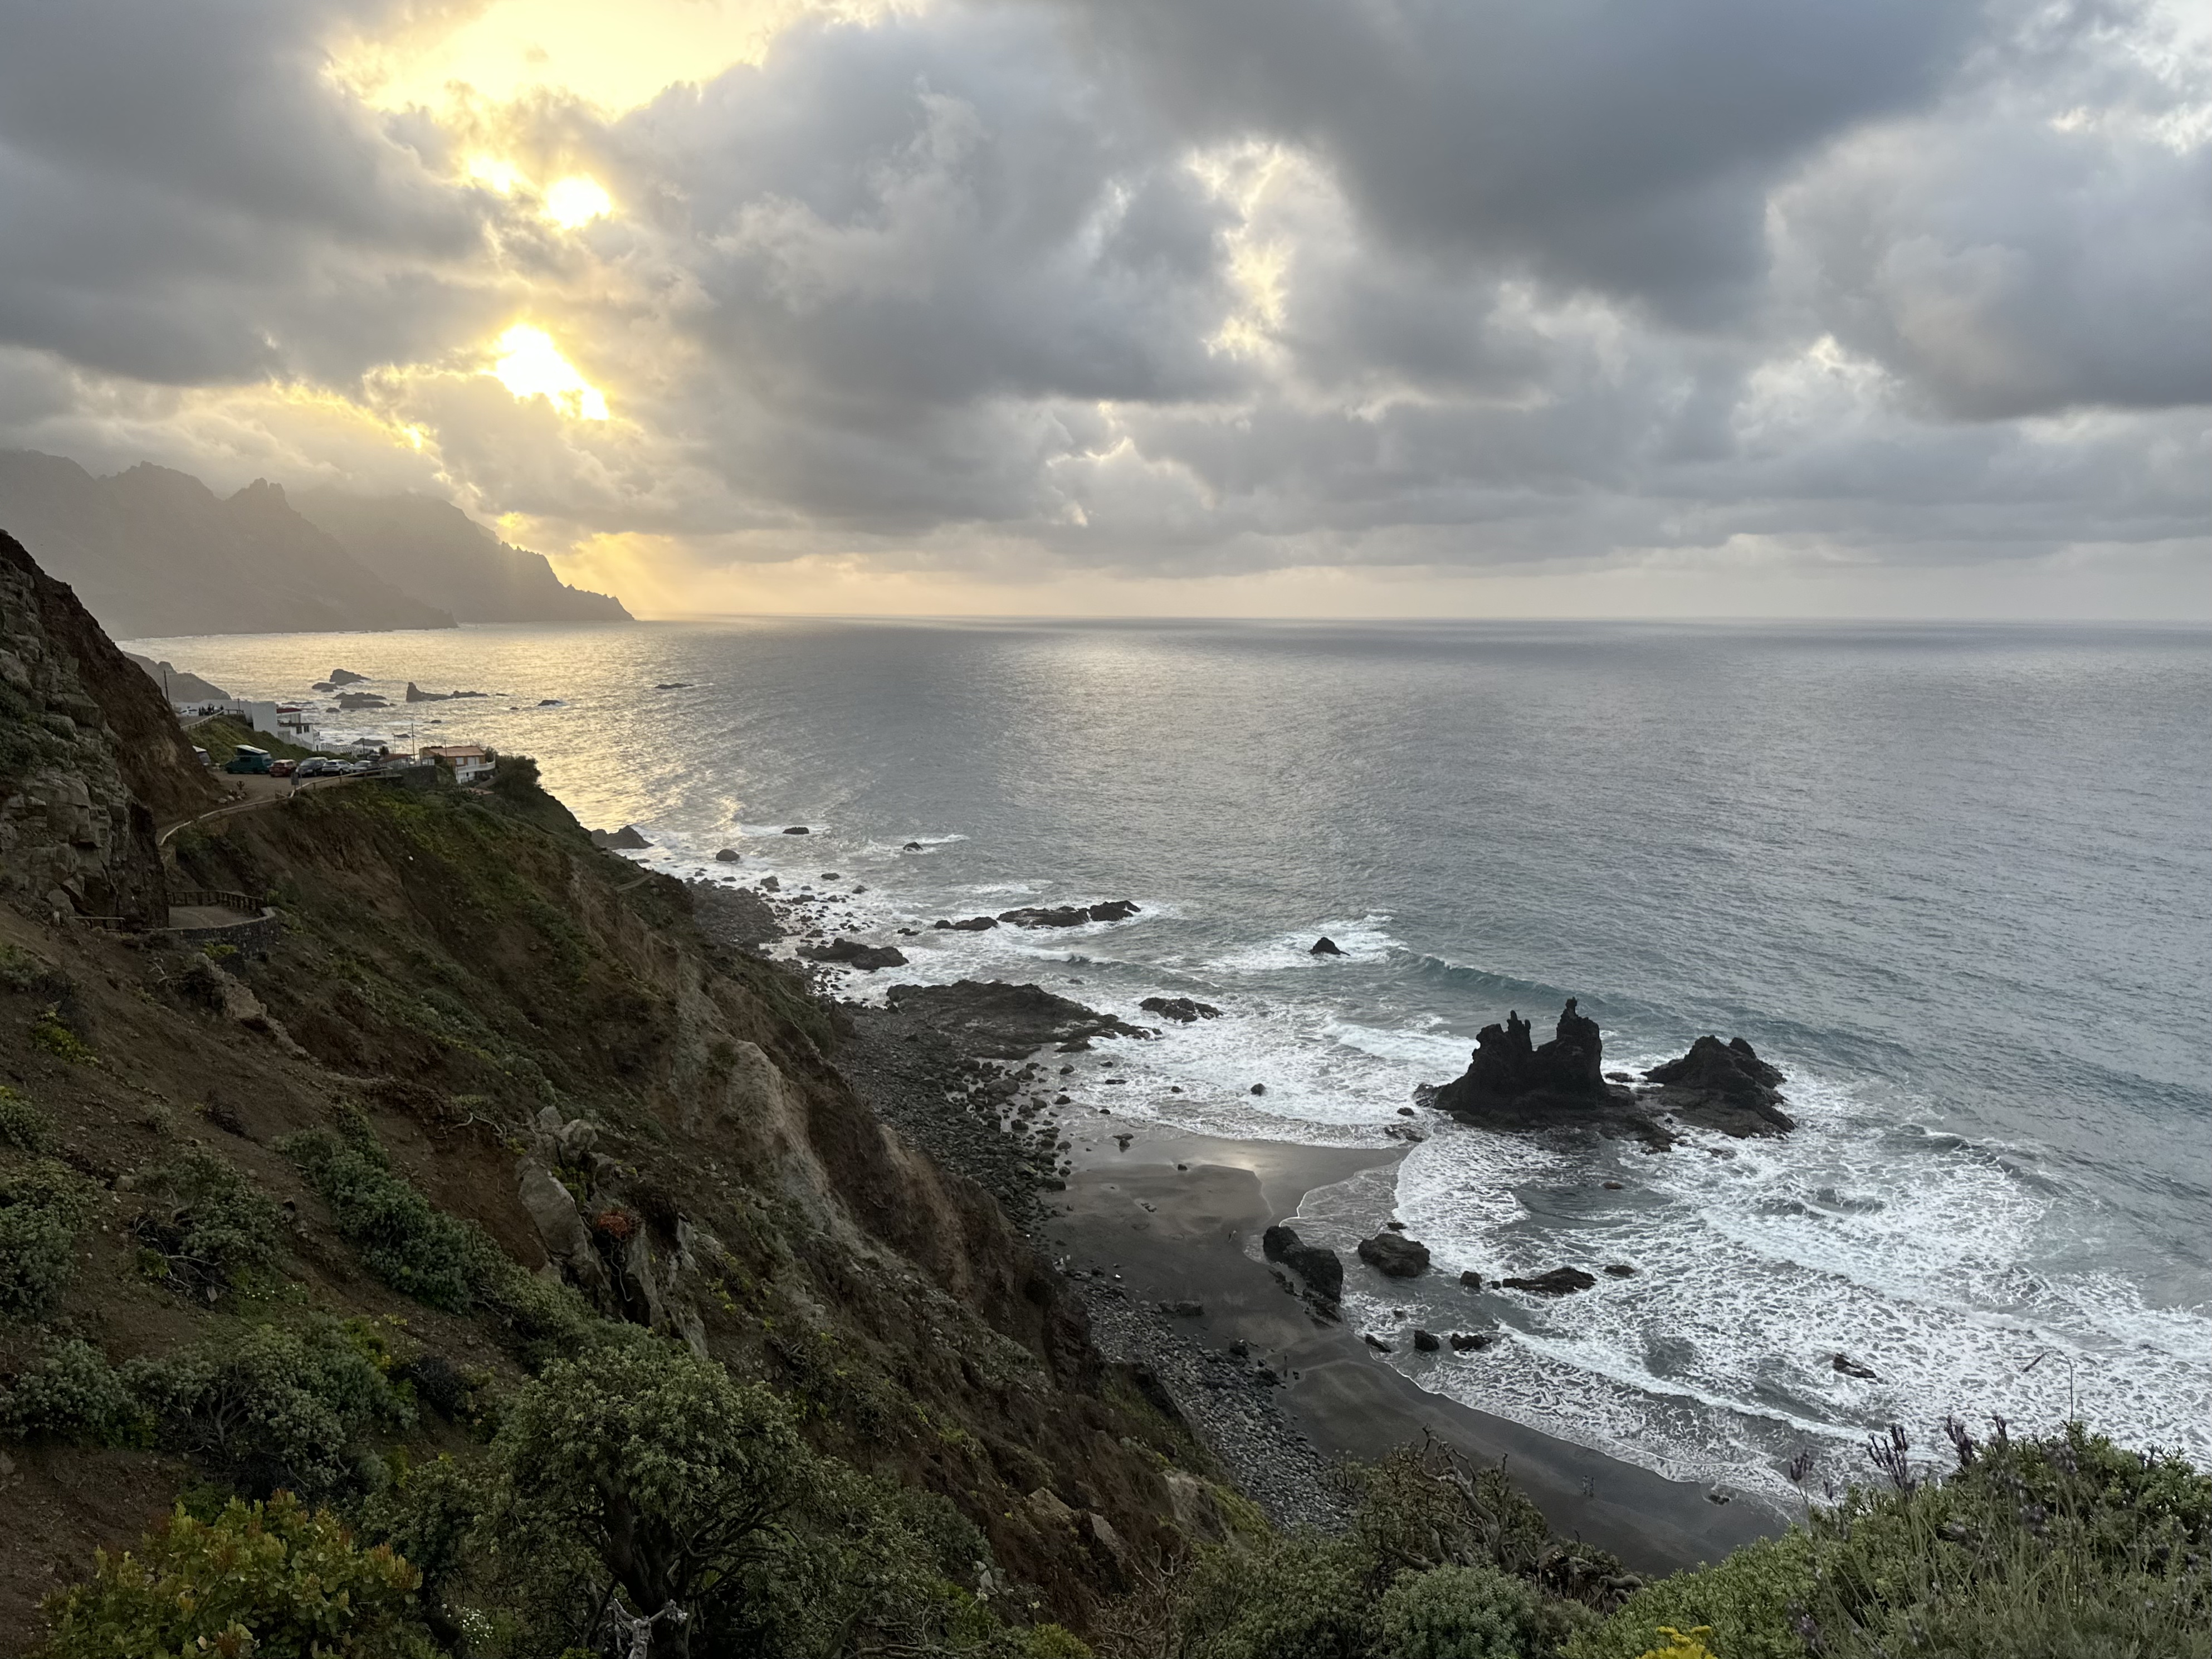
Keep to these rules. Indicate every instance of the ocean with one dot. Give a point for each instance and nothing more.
(1955, 881)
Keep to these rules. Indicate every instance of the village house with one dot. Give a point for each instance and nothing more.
(471, 763)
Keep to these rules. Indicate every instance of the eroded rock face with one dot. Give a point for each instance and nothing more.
(1068, 915)
(1560, 1281)
(1725, 1086)
(1509, 1074)
(87, 747)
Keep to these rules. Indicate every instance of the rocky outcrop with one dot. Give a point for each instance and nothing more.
(177, 685)
(868, 958)
(89, 753)
(990, 1020)
(1070, 915)
(1324, 946)
(1317, 1264)
(1721, 1086)
(1560, 1281)
(1510, 1082)
(1394, 1256)
(1181, 1009)
(973, 925)
(624, 840)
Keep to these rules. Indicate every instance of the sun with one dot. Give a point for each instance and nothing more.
(575, 201)
(530, 366)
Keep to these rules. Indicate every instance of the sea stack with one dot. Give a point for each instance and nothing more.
(1509, 1079)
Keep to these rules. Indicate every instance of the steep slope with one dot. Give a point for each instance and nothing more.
(497, 1015)
(90, 753)
(434, 550)
(152, 551)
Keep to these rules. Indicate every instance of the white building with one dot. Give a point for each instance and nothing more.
(471, 762)
(278, 720)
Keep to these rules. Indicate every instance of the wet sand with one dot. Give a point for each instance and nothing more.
(1175, 1234)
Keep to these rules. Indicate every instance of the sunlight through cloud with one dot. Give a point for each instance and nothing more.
(532, 366)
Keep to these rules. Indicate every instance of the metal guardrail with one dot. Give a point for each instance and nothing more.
(216, 898)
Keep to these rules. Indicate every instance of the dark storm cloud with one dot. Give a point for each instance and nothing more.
(189, 199)
(1191, 285)
(1619, 143)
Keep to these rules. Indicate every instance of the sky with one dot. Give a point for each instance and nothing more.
(1176, 307)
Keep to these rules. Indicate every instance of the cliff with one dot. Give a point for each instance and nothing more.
(434, 550)
(152, 551)
(473, 1025)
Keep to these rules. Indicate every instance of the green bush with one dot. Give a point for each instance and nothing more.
(275, 1582)
(218, 1230)
(71, 1394)
(404, 1239)
(1751, 1600)
(1299, 1597)
(42, 1205)
(1464, 1612)
(22, 1125)
(2030, 1550)
(275, 1408)
(51, 1030)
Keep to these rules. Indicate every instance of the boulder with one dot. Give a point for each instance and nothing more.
(1619, 1270)
(1471, 1278)
(1180, 1009)
(1560, 1281)
(729, 855)
(1725, 1086)
(1324, 946)
(1395, 1255)
(799, 830)
(1851, 1367)
(343, 676)
(853, 954)
(350, 700)
(1114, 910)
(1470, 1341)
(1426, 1341)
(973, 925)
(1317, 1264)
(911, 847)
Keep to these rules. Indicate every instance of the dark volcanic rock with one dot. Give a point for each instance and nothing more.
(1851, 1367)
(1619, 1270)
(911, 847)
(1181, 1009)
(1471, 1278)
(1426, 1341)
(1470, 1341)
(1068, 915)
(994, 1020)
(1511, 1084)
(853, 954)
(729, 855)
(350, 700)
(1395, 1255)
(799, 830)
(973, 925)
(1315, 1263)
(343, 676)
(624, 840)
(738, 917)
(1324, 946)
(1725, 1086)
(1560, 1281)
(1114, 910)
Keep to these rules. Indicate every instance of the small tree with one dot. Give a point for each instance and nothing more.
(274, 1581)
(673, 1474)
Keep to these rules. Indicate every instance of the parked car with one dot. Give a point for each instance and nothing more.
(282, 768)
(319, 766)
(248, 759)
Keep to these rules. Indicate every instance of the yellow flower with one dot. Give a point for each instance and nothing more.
(1682, 1644)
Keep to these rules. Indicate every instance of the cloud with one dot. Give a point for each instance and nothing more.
(1186, 290)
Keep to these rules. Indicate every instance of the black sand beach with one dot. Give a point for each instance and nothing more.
(1176, 1218)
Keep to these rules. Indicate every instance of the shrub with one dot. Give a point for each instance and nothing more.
(42, 1205)
(1300, 1597)
(51, 1031)
(1462, 1612)
(2029, 1550)
(273, 1408)
(220, 1230)
(72, 1394)
(1749, 1603)
(276, 1582)
(404, 1239)
(22, 1125)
